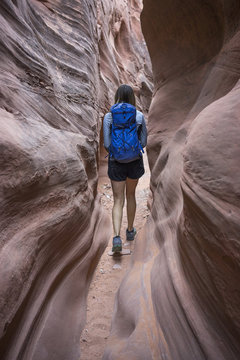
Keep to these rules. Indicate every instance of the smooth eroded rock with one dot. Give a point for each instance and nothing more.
(50, 218)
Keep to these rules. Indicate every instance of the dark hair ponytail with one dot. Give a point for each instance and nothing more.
(125, 94)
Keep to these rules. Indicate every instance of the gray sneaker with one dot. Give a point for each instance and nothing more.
(131, 234)
(117, 244)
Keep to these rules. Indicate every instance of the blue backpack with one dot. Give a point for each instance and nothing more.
(125, 146)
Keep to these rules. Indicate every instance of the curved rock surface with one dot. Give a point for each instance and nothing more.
(61, 63)
(50, 215)
(123, 53)
(181, 297)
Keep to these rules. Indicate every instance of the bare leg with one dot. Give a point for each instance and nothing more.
(131, 201)
(118, 188)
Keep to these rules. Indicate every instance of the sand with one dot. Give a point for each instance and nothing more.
(110, 271)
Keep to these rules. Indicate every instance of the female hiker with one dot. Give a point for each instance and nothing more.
(125, 136)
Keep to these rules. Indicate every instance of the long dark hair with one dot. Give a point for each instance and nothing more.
(125, 94)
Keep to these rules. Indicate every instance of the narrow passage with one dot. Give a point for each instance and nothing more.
(110, 271)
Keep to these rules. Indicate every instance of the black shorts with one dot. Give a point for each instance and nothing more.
(120, 171)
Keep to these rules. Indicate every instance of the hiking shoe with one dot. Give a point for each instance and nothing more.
(131, 234)
(117, 244)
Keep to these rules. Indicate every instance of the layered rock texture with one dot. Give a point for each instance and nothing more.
(181, 297)
(60, 65)
(50, 216)
(124, 57)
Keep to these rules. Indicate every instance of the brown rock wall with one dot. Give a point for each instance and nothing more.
(180, 299)
(123, 54)
(50, 214)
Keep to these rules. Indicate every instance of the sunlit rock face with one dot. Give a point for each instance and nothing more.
(181, 298)
(60, 65)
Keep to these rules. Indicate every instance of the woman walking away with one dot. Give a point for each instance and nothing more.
(125, 136)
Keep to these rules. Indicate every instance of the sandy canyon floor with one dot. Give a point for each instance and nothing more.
(110, 271)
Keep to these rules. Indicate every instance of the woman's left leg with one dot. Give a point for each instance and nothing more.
(118, 188)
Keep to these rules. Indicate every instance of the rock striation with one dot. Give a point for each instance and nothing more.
(124, 57)
(61, 63)
(50, 216)
(180, 299)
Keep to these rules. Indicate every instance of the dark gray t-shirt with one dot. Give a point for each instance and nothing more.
(141, 127)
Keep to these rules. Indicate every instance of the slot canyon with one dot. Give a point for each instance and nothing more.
(60, 65)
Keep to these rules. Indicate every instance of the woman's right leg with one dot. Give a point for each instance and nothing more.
(118, 188)
(131, 201)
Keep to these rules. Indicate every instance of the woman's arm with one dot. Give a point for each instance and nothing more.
(143, 132)
(107, 123)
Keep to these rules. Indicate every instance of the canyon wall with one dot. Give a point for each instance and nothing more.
(181, 297)
(124, 57)
(50, 215)
(61, 63)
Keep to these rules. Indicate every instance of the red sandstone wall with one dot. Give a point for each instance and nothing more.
(123, 54)
(181, 298)
(50, 216)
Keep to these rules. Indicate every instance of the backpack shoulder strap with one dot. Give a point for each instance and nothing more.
(123, 113)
